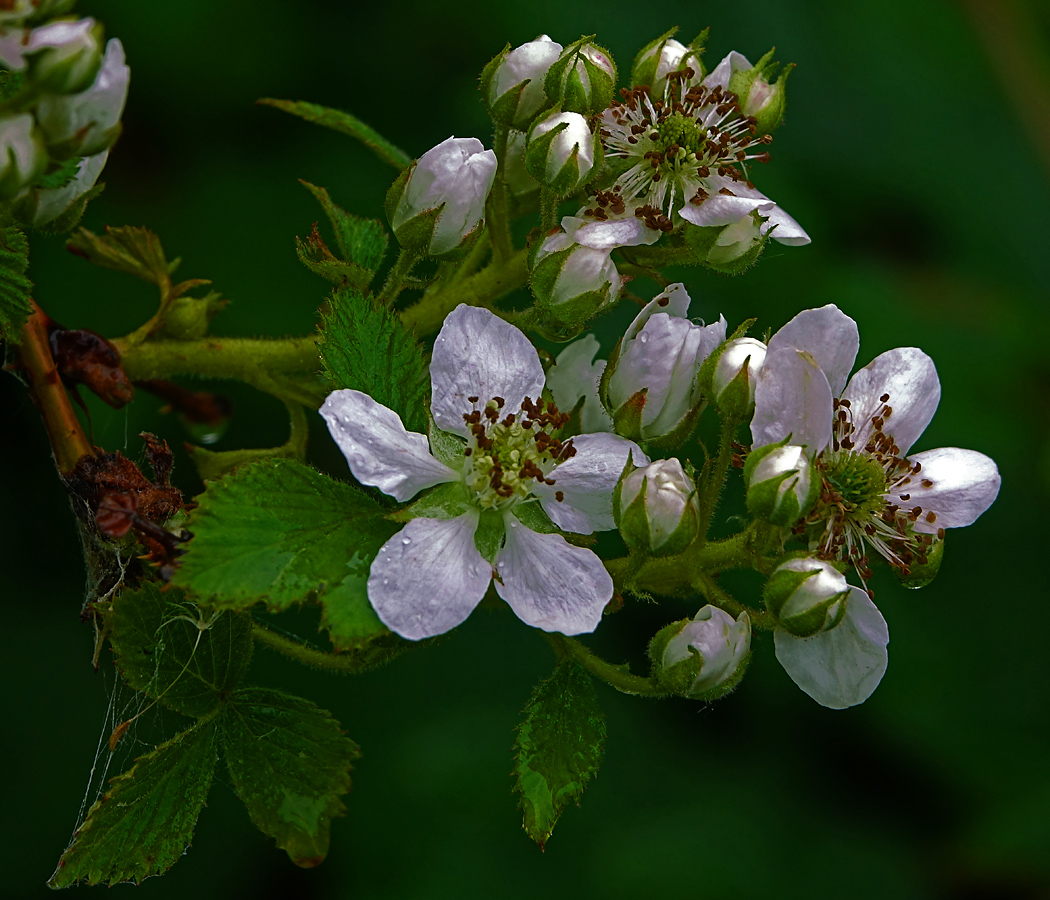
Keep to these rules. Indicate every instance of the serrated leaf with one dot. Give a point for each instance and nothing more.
(365, 347)
(290, 763)
(166, 647)
(144, 823)
(69, 219)
(136, 251)
(315, 255)
(281, 533)
(345, 123)
(361, 241)
(559, 747)
(15, 287)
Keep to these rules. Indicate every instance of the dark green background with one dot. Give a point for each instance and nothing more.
(906, 158)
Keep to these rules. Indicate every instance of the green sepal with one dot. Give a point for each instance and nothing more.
(558, 748)
(543, 273)
(564, 86)
(362, 242)
(735, 401)
(489, 535)
(647, 61)
(290, 763)
(533, 517)
(706, 374)
(188, 659)
(396, 191)
(682, 431)
(781, 585)
(188, 318)
(144, 822)
(633, 521)
(921, 574)
(445, 446)
(416, 234)
(741, 83)
(70, 218)
(561, 322)
(60, 175)
(443, 501)
(136, 251)
(764, 500)
(344, 123)
(744, 261)
(15, 287)
(365, 347)
(627, 420)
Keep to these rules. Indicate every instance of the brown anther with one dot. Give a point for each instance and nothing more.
(926, 482)
(931, 517)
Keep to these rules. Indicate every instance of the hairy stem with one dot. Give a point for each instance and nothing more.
(615, 676)
(497, 219)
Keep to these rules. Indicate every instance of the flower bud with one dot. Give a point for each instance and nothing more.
(23, 157)
(561, 151)
(782, 483)
(806, 595)
(571, 283)
(515, 176)
(660, 57)
(512, 84)
(738, 244)
(652, 390)
(438, 201)
(583, 79)
(87, 123)
(658, 511)
(64, 57)
(735, 374)
(15, 12)
(703, 657)
(759, 96)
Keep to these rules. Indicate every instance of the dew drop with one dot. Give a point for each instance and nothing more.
(643, 338)
(406, 541)
(386, 581)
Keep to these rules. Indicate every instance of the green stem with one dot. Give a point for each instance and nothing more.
(320, 659)
(480, 289)
(716, 595)
(395, 281)
(615, 676)
(214, 357)
(716, 475)
(496, 216)
(549, 203)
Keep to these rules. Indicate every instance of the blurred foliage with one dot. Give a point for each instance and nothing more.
(909, 164)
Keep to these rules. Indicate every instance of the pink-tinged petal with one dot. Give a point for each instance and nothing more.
(608, 234)
(723, 209)
(549, 583)
(792, 397)
(379, 450)
(964, 483)
(478, 354)
(909, 377)
(429, 576)
(586, 482)
(720, 74)
(829, 336)
(841, 667)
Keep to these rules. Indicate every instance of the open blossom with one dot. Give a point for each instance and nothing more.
(487, 381)
(873, 493)
(683, 153)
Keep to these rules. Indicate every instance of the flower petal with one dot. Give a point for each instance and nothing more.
(792, 397)
(720, 74)
(674, 301)
(575, 375)
(379, 449)
(965, 483)
(607, 234)
(841, 667)
(787, 231)
(478, 354)
(829, 336)
(549, 583)
(723, 209)
(586, 482)
(909, 377)
(429, 576)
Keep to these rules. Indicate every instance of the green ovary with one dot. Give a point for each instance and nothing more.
(859, 481)
(677, 129)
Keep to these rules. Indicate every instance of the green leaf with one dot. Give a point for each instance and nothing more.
(345, 123)
(282, 533)
(136, 251)
(364, 346)
(64, 174)
(69, 220)
(165, 646)
(145, 821)
(290, 763)
(559, 747)
(315, 255)
(15, 288)
(361, 241)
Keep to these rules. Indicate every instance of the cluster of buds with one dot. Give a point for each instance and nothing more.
(60, 108)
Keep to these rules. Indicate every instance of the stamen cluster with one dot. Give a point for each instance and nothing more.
(508, 454)
(679, 142)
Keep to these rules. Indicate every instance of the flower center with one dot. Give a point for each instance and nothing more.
(508, 455)
(858, 482)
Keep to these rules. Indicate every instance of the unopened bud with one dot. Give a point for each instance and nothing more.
(23, 157)
(760, 95)
(512, 84)
(583, 79)
(571, 283)
(703, 657)
(561, 152)
(806, 595)
(659, 513)
(665, 55)
(735, 375)
(782, 483)
(64, 57)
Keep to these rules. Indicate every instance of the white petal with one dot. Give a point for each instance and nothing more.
(573, 376)
(379, 449)
(909, 377)
(723, 209)
(587, 481)
(478, 354)
(674, 301)
(787, 231)
(12, 49)
(628, 231)
(841, 667)
(792, 397)
(429, 576)
(730, 63)
(549, 583)
(965, 483)
(829, 336)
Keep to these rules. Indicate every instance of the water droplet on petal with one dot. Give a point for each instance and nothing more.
(386, 581)
(406, 541)
(643, 338)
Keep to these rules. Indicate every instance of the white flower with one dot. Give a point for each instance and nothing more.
(52, 202)
(525, 65)
(575, 376)
(456, 175)
(685, 153)
(720, 641)
(873, 493)
(429, 577)
(661, 353)
(87, 123)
